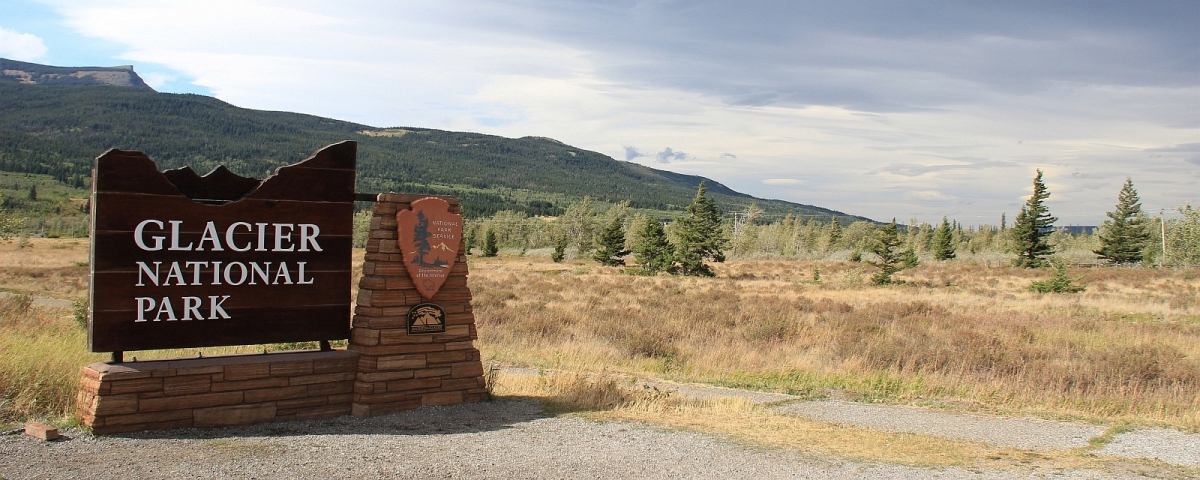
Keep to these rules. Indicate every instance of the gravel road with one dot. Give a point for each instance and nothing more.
(513, 439)
(1170, 446)
(486, 440)
(1028, 433)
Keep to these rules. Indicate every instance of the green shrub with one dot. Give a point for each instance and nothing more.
(1060, 283)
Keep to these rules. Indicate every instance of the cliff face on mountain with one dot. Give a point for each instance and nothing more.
(37, 74)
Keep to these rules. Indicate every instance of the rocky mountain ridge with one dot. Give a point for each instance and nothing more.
(38, 74)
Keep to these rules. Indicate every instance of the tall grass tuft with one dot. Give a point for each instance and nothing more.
(44, 349)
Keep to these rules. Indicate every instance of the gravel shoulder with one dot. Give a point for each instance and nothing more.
(1027, 433)
(515, 439)
(504, 439)
(1163, 444)
(1166, 445)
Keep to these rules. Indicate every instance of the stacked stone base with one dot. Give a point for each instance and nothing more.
(398, 371)
(216, 391)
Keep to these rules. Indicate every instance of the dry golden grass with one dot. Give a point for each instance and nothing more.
(45, 267)
(43, 351)
(605, 397)
(957, 335)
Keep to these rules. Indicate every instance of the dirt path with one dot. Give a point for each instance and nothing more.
(52, 302)
(1170, 446)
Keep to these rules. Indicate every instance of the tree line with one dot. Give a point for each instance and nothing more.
(610, 232)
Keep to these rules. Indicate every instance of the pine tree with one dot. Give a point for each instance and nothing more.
(943, 242)
(653, 251)
(908, 258)
(489, 244)
(32, 193)
(700, 236)
(470, 240)
(560, 248)
(1032, 228)
(891, 258)
(1123, 238)
(835, 233)
(611, 250)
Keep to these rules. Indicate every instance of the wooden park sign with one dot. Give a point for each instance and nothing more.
(181, 260)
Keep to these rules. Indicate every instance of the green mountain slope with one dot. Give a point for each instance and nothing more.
(57, 130)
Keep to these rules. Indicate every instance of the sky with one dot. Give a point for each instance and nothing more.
(911, 110)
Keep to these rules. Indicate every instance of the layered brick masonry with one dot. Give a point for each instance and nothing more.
(216, 391)
(398, 371)
(384, 369)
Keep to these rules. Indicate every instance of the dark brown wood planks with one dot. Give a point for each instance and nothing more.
(274, 301)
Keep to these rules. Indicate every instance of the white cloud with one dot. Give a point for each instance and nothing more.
(918, 119)
(21, 46)
(928, 195)
(782, 181)
(668, 155)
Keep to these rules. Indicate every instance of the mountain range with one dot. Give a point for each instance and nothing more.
(55, 120)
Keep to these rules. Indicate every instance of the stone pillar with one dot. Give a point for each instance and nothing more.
(398, 371)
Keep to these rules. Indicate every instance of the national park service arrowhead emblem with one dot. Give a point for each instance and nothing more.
(429, 237)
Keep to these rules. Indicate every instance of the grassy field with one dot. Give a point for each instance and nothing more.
(958, 335)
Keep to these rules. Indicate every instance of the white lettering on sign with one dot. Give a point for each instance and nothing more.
(153, 235)
(211, 236)
(229, 236)
(190, 310)
(140, 240)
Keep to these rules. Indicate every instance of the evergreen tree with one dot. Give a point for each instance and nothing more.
(489, 244)
(470, 240)
(1032, 228)
(835, 233)
(612, 245)
(32, 193)
(560, 248)
(700, 236)
(891, 258)
(1123, 238)
(908, 258)
(943, 244)
(653, 251)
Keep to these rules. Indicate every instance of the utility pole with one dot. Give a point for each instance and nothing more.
(1162, 223)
